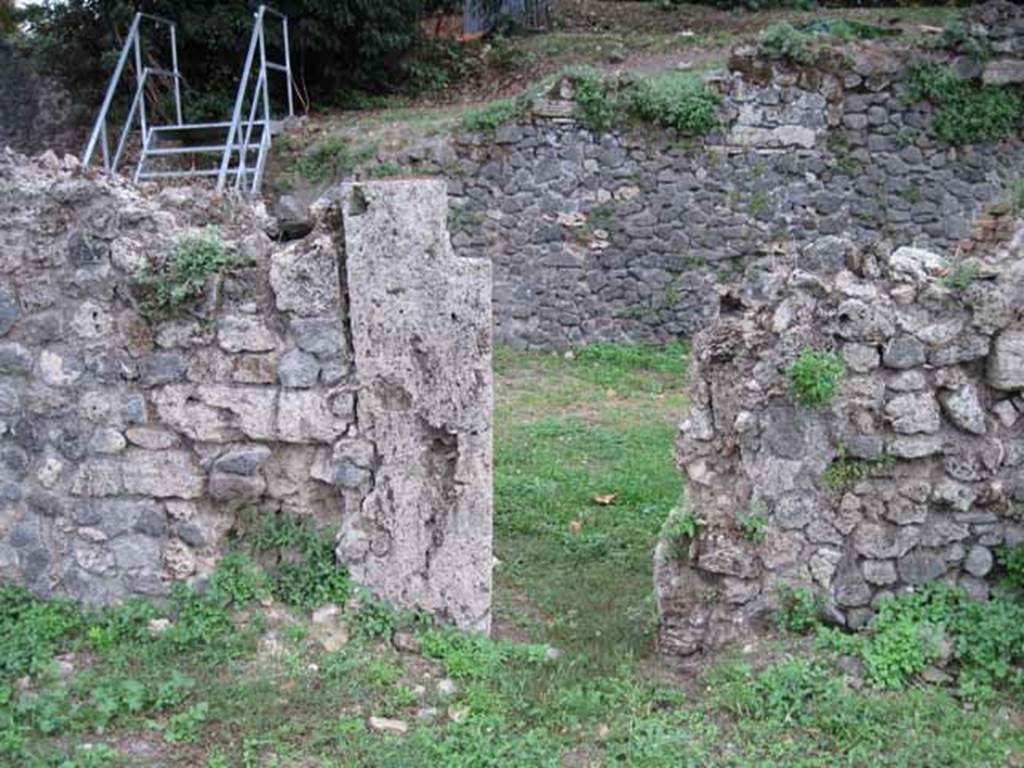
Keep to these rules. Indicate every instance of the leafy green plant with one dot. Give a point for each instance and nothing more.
(680, 528)
(753, 527)
(1012, 561)
(385, 169)
(844, 472)
(184, 726)
(799, 608)
(593, 104)
(965, 111)
(814, 377)
(1015, 195)
(487, 118)
(784, 41)
(678, 100)
(237, 580)
(307, 573)
(960, 276)
(332, 157)
(180, 279)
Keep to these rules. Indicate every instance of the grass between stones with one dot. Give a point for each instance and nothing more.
(247, 676)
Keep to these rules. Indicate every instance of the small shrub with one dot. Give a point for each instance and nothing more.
(784, 41)
(184, 726)
(181, 278)
(965, 111)
(753, 527)
(960, 276)
(1015, 196)
(331, 158)
(844, 472)
(678, 100)
(680, 528)
(384, 170)
(814, 377)
(1012, 561)
(486, 119)
(308, 573)
(798, 609)
(595, 107)
(237, 580)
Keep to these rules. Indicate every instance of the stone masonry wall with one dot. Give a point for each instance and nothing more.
(343, 376)
(924, 440)
(626, 236)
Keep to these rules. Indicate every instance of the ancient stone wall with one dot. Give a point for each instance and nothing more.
(629, 236)
(343, 376)
(914, 471)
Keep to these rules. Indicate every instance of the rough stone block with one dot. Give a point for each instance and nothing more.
(421, 332)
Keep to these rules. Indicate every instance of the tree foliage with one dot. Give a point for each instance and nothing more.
(337, 45)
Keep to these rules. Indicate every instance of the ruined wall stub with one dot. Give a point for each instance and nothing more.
(132, 442)
(421, 334)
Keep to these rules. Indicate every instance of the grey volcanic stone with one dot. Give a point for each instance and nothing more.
(1006, 361)
(163, 368)
(9, 309)
(920, 567)
(979, 561)
(298, 369)
(963, 407)
(914, 413)
(904, 352)
(242, 460)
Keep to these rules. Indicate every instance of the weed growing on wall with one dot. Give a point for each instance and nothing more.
(595, 106)
(181, 278)
(960, 276)
(799, 608)
(1012, 561)
(333, 157)
(486, 119)
(678, 100)
(306, 573)
(966, 112)
(784, 41)
(814, 377)
(843, 471)
(1015, 195)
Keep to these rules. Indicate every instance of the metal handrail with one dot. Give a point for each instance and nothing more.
(132, 44)
(260, 93)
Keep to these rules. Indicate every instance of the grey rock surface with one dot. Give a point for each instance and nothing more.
(421, 337)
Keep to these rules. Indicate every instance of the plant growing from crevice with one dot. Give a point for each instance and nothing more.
(180, 279)
(754, 525)
(487, 118)
(961, 275)
(680, 529)
(1011, 560)
(799, 608)
(677, 100)
(814, 377)
(1015, 195)
(785, 42)
(966, 112)
(843, 471)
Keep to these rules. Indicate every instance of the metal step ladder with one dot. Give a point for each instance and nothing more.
(240, 145)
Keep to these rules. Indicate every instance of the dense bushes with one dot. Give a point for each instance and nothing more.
(967, 112)
(336, 46)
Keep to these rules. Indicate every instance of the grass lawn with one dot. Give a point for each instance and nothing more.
(245, 676)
